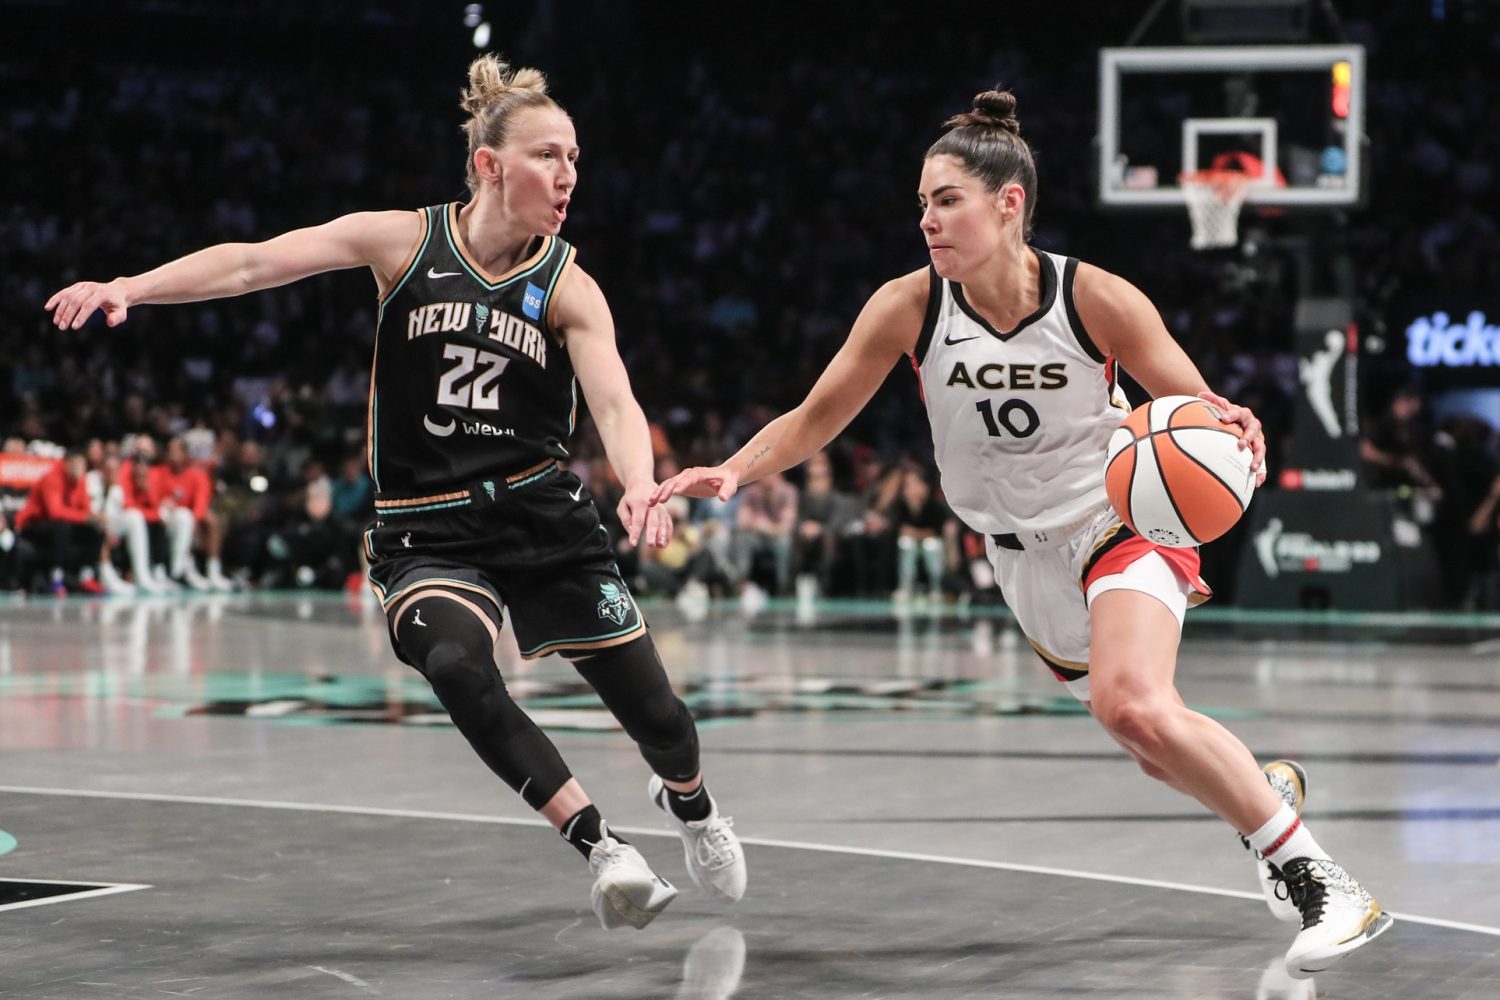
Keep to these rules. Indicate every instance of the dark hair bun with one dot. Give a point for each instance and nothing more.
(992, 109)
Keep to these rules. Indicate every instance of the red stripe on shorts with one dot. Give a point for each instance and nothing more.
(1184, 561)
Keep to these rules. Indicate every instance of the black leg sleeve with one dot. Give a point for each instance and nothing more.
(452, 648)
(633, 685)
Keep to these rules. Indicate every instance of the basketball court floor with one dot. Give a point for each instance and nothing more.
(249, 797)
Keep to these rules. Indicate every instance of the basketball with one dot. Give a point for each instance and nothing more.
(1175, 472)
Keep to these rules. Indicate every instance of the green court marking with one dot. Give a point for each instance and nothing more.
(849, 607)
(7, 842)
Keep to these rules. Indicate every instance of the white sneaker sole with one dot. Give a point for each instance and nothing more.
(636, 905)
(1306, 966)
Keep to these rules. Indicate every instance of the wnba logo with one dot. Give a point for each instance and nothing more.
(1299, 552)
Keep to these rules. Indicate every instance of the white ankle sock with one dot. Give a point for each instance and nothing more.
(1284, 837)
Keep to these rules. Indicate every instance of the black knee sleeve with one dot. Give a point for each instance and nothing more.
(450, 645)
(633, 685)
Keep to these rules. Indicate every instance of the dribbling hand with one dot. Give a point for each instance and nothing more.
(72, 306)
(1253, 438)
(703, 483)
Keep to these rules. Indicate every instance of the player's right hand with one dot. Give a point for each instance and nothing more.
(72, 306)
(704, 483)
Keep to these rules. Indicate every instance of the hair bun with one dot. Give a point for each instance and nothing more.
(996, 108)
(491, 78)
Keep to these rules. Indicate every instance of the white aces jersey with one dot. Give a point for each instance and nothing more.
(1020, 419)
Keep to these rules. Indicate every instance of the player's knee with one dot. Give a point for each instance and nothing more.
(447, 661)
(1130, 717)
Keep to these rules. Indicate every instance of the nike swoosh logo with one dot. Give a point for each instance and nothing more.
(434, 273)
(950, 341)
(577, 493)
(438, 429)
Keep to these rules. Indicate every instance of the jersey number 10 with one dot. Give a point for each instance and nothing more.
(1015, 415)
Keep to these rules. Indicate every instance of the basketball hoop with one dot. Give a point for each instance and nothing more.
(1213, 199)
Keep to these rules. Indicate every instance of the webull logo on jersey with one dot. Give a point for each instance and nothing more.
(477, 428)
(1299, 552)
(616, 603)
(453, 317)
(1053, 375)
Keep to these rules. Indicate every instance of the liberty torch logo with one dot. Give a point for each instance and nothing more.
(616, 603)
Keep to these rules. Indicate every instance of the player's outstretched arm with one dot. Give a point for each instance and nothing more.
(887, 328)
(1124, 324)
(379, 240)
(581, 313)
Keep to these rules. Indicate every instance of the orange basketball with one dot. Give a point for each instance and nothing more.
(1175, 472)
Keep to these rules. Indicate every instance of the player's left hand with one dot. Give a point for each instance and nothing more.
(640, 518)
(1253, 437)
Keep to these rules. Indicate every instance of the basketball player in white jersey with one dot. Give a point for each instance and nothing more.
(1016, 351)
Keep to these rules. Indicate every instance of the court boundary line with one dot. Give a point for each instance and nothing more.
(101, 889)
(795, 845)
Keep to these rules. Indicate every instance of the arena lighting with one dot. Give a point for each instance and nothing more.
(474, 18)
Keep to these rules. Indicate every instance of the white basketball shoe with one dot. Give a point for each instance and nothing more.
(626, 890)
(714, 857)
(1338, 915)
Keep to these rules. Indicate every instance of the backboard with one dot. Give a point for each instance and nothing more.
(1171, 110)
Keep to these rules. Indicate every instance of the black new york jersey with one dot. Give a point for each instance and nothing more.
(469, 380)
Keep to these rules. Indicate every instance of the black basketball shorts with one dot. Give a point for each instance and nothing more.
(531, 545)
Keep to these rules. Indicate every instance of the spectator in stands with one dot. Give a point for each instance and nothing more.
(765, 522)
(353, 493)
(58, 521)
(321, 549)
(1395, 446)
(140, 495)
(874, 547)
(123, 527)
(822, 513)
(183, 491)
(246, 504)
(918, 516)
(1484, 566)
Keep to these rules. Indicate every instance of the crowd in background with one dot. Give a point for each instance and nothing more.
(737, 203)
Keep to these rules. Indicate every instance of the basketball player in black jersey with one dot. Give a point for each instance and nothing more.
(486, 330)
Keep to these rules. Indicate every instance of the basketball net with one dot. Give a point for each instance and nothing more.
(1213, 199)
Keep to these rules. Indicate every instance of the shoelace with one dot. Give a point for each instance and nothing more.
(715, 846)
(1306, 891)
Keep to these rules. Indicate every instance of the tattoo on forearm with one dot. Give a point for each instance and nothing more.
(757, 457)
